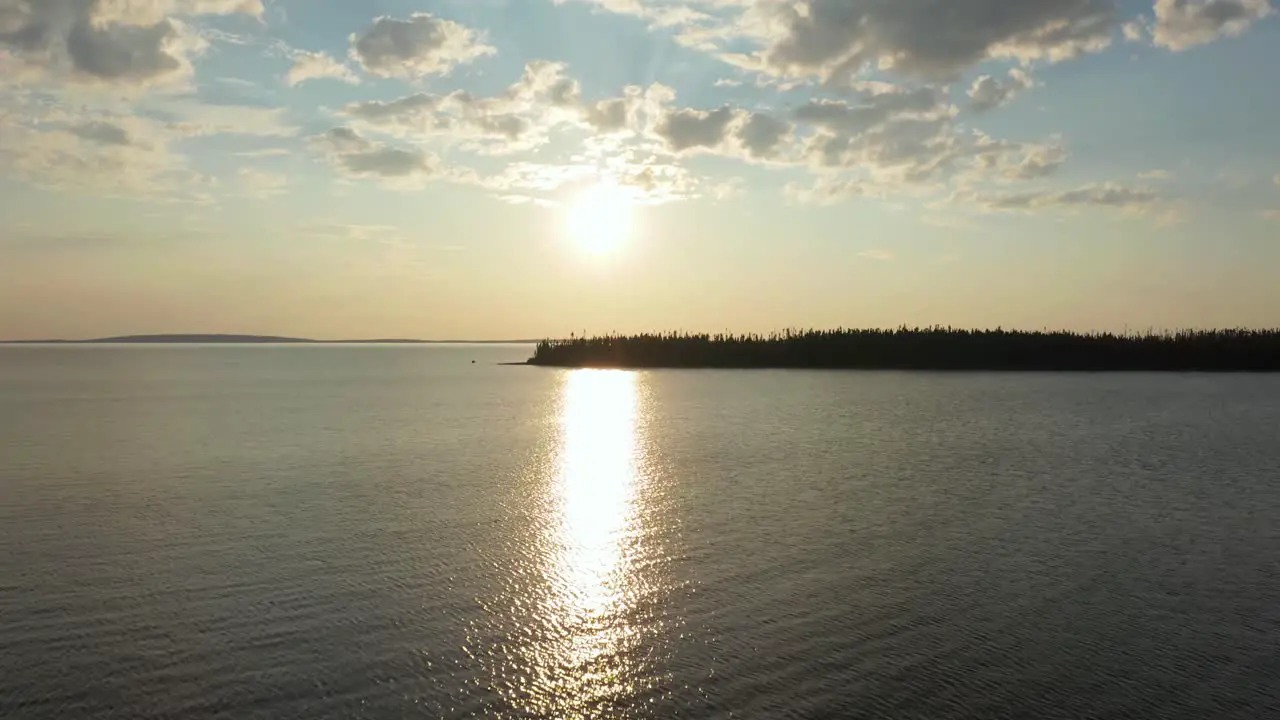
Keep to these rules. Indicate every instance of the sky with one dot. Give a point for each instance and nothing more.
(487, 169)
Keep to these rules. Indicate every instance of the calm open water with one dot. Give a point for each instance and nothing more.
(269, 532)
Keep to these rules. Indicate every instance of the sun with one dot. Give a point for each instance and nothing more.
(600, 218)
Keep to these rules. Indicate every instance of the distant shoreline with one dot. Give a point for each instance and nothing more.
(938, 348)
(252, 340)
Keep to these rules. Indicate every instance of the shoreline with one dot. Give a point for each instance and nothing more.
(925, 349)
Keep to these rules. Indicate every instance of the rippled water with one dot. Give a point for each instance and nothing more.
(396, 532)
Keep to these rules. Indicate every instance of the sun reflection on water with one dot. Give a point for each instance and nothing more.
(585, 661)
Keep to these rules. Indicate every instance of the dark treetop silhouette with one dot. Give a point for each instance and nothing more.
(936, 348)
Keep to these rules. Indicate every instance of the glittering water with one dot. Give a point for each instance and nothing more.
(397, 532)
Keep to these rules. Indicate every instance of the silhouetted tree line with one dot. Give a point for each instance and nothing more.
(935, 348)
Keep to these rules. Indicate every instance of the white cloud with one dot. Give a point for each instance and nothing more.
(660, 13)
(988, 93)
(826, 190)
(1180, 24)
(837, 39)
(316, 66)
(196, 119)
(458, 115)
(1155, 175)
(420, 46)
(517, 119)
(105, 133)
(876, 109)
(888, 137)
(647, 178)
(260, 184)
(1107, 195)
(118, 42)
(264, 153)
(147, 12)
(361, 157)
(1038, 161)
(726, 131)
(115, 156)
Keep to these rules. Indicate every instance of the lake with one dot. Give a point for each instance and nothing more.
(386, 532)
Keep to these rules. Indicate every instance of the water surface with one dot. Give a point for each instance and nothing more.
(248, 532)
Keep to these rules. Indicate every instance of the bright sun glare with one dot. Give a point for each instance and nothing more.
(600, 218)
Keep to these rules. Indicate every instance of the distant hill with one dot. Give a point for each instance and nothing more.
(234, 339)
(191, 339)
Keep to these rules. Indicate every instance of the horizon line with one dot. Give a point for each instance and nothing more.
(250, 339)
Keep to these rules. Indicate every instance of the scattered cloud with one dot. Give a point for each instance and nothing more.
(420, 46)
(316, 66)
(988, 93)
(837, 39)
(880, 255)
(825, 191)
(260, 184)
(1181, 24)
(136, 43)
(1108, 195)
(517, 119)
(361, 157)
(875, 117)
(102, 132)
(725, 130)
(265, 152)
(99, 156)
(1038, 161)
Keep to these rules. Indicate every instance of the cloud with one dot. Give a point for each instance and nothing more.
(519, 118)
(457, 115)
(1135, 31)
(103, 132)
(360, 157)
(316, 66)
(1039, 161)
(836, 39)
(190, 118)
(1107, 195)
(825, 191)
(888, 136)
(647, 179)
(877, 108)
(118, 42)
(1155, 175)
(260, 184)
(145, 12)
(688, 129)
(880, 255)
(899, 135)
(265, 152)
(988, 93)
(1180, 24)
(101, 155)
(420, 46)
(727, 131)
(659, 13)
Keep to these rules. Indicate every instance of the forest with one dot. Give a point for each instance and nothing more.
(931, 348)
